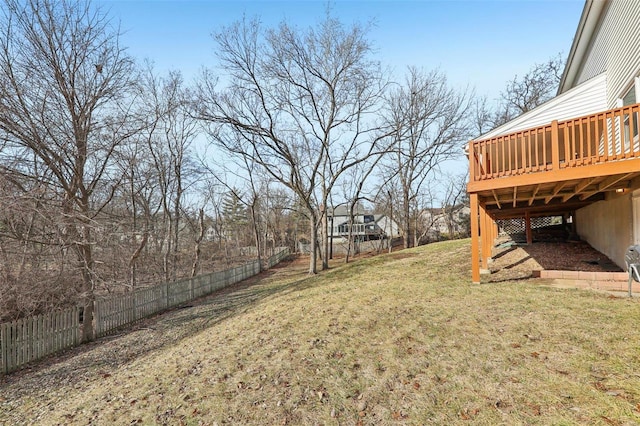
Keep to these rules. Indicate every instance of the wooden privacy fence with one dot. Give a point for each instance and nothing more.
(277, 258)
(115, 312)
(32, 338)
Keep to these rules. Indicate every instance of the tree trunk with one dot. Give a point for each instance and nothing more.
(85, 253)
(27, 241)
(325, 239)
(166, 263)
(256, 233)
(196, 257)
(349, 234)
(313, 248)
(176, 231)
(406, 221)
(134, 258)
(390, 236)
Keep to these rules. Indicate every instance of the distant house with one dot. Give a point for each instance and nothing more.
(364, 226)
(214, 232)
(578, 155)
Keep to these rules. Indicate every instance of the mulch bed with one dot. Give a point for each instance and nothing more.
(516, 261)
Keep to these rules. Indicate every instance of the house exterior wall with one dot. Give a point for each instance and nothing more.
(390, 227)
(614, 49)
(596, 57)
(362, 225)
(586, 99)
(608, 226)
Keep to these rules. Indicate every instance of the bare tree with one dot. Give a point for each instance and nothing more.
(353, 187)
(454, 200)
(247, 190)
(140, 201)
(170, 132)
(430, 126)
(280, 217)
(482, 115)
(198, 225)
(297, 104)
(520, 95)
(535, 87)
(65, 84)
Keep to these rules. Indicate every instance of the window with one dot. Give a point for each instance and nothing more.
(631, 120)
(630, 97)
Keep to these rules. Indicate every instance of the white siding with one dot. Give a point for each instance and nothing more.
(607, 226)
(596, 57)
(624, 51)
(588, 98)
(615, 48)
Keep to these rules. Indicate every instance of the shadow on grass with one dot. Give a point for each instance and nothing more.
(103, 356)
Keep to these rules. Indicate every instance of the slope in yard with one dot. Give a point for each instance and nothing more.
(394, 339)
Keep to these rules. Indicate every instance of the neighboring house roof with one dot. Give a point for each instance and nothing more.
(588, 98)
(343, 210)
(587, 27)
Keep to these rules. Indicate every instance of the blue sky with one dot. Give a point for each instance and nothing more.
(477, 43)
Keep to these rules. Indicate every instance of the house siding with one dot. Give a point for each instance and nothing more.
(586, 99)
(596, 57)
(624, 54)
(607, 226)
(615, 49)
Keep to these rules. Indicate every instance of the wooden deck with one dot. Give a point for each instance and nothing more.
(552, 169)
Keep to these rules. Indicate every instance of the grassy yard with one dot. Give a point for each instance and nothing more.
(395, 339)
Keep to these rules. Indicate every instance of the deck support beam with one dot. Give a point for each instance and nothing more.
(533, 195)
(495, 197)
(475, 237)
(485, 233)
(527, 227)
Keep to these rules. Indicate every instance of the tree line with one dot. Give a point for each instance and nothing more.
(113, 175)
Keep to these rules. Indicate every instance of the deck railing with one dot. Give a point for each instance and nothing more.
(593, 139)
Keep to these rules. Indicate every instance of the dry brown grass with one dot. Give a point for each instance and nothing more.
(396, 339)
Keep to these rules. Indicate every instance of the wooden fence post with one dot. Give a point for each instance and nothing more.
(4, 346)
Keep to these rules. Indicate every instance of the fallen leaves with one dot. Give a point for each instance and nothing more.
(468, 414)
(499, 354)
(399, 415)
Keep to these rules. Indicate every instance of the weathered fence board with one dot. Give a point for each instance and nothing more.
(32, 338)
(28, 339)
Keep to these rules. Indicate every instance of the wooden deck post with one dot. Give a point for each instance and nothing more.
(555, 148)
(485, 233)
(527, 226)
(472, 162)
(475, 235)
